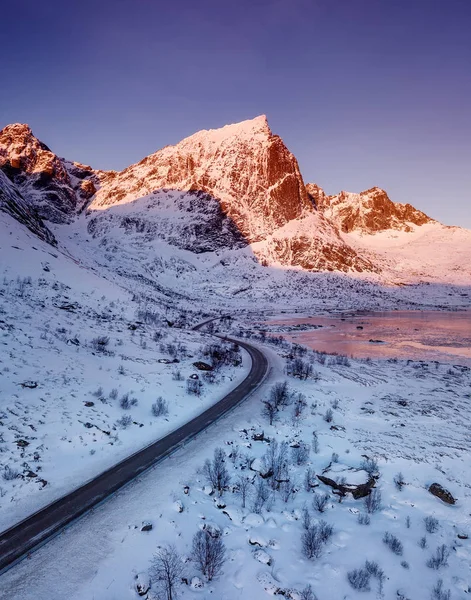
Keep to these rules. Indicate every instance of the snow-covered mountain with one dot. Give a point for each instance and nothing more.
(224, 190)
(367, 212)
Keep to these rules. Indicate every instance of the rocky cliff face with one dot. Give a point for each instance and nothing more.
(247, 168)
(368, 212)
(54, 187)
(13, 203)
(258, 185)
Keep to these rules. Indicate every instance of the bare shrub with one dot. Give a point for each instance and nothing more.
(269, 411)
(300, 454)
(399, 481)
(176, 375)
(393, 543)
(438, 593)
(359, 579)
(297, 367)
(364, 519)
(243, 488)
(315, 442)
(370, 465)
(279, 394)
(275, 463)
(193, 387)
(124, 422)
(320, 501)
(216, 472)
(166, 571)
(262, 493)
(307, 593)
(373, 501)
(329, 415)
(314, 538)
(310, 480)
(9, 473)
(98, 393)
(306, 518)
(431, 524)
(100, 343)
(299, 406)
(126, 401)
(423, 542)
(209, 553)
(160, 407)
(440, 558)
(113, 394)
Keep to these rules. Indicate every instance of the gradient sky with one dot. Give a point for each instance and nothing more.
(363, 92)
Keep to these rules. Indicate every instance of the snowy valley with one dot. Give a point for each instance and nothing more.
(104, 276)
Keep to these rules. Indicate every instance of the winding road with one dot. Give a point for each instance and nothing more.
(35, 530)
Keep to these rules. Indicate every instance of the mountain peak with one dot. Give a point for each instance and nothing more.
(369, 211)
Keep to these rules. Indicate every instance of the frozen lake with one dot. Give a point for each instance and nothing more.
(419, 335)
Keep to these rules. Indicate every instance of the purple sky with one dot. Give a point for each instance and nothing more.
(363, 92)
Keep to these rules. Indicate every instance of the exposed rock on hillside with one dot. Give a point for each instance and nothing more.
(369, 211)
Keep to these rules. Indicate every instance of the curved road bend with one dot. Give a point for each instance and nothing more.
(36, 529)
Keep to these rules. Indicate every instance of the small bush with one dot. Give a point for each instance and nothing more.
(310, 480)
(399, 481)
(100, 343)
(440, 558)
(300, 454)
(124, 422)
(431, 524)
(393, 543)
(113, 394)
(126, 401)
(334, 458)
(315, 443)
(329, 415)
(423, 542)
(405, 564)
(320, 501)
(193, 387)
(364, 519)
(176, 375)
(160, 407)
(438, 593)
(373, 501)
(98, 393)
(370, 465)
(359, 579)
(9, 474)
(307, 593)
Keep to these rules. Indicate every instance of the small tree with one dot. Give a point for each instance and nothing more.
(243, 488)
(269, 411)
(167, 570)
(209, 553)
(216, 472)
(279, 394)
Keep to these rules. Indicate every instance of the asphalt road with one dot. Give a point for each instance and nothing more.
(22, 538)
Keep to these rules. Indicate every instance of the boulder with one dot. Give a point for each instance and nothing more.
(440, 492)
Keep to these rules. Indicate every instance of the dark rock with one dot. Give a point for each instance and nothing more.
(202, 366)
(29, 384)
(30, 474)
(88, 425)
(147, 527)
(89, 403)
(357, 491)
(440, 492)
(22, 443)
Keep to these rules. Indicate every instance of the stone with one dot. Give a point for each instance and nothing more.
(440, 492)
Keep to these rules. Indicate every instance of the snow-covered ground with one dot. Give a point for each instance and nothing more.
(387, 417)
(81, 365)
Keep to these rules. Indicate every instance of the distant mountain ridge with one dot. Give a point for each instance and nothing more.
(234, 186)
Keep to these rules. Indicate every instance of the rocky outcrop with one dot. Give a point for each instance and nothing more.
(440, 492)
(368, 212)
(41, 176)
(13, 203)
